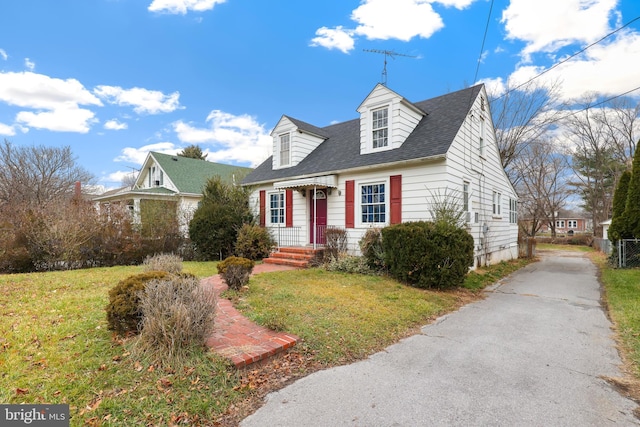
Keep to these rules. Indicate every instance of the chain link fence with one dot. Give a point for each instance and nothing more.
(628, 253)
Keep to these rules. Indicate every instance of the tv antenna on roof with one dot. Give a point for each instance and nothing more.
(389, 53)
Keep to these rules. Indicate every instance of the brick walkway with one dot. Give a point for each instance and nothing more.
(236, 337)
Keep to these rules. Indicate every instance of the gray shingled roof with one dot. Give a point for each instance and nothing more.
(341, 150)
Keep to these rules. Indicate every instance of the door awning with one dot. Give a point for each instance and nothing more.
(318, 181)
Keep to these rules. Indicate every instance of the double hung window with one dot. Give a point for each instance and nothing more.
(373, 203)
(276, 208)
(380, 127)
(285, 149)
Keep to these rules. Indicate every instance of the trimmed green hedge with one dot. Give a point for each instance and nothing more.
(426, 254)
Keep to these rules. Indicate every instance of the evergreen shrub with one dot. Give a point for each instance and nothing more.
(426, 254)
(123, 311)
(254, 242)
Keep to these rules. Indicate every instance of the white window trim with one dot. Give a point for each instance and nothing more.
(369, 142)
(284, 209)
(468, 195)
(358, 203)
(496, 204)
(280, 136)
(482, 141)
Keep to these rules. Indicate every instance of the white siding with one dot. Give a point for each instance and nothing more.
(301, 143)
(495, 238)
(402, 118)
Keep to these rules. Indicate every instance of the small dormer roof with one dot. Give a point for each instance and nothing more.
(304, 127)
(393, 94)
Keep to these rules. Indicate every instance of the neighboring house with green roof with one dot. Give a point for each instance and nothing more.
(174, 179)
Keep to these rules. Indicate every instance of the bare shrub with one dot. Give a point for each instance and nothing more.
(163, 262)
(335, 243)
(178, 317)
(371, 248)
(235, 271)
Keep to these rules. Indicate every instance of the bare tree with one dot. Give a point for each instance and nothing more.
(602, 144)
(37, 174)
(521, 115)
(542, 187)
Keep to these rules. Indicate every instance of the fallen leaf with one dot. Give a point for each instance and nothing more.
(151, 368)
(21, 391)
(138, 367)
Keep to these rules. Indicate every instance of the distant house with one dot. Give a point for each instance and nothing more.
(569, 223)
(389, 165)
(178, 181)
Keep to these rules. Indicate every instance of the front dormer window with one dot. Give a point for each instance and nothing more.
(285, 149)
(380, 120)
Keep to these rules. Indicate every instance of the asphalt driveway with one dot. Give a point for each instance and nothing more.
(531, 354)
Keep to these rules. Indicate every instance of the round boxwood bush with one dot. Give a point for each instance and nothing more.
(426, 254)
(123, 311)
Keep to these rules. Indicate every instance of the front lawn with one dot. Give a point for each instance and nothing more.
(55, 348)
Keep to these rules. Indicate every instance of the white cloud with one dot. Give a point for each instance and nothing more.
(234, 138)
(137, 155)
(3, 54)
(115, 125)
(29, 64)
(142, 100)
(182, 6)
(57, 101)
(458, 4)
(387, 19)
(63, 119)
(602, 69)
(334, 38)
(589, 20)
(7, 130)
(117, 176)
(31, 90)
(396, 19)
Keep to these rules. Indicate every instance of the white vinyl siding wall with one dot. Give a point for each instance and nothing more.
(402, 119)
(494, 234)
(300, 143)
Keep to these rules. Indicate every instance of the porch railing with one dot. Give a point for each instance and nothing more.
(286, 236)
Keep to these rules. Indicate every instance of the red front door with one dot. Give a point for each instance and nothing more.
(318, 216)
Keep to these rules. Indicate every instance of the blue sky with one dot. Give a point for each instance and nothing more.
(114, 79)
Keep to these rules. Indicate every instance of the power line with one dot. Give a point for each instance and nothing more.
(597, 104)
(484, 39)
(569, 58)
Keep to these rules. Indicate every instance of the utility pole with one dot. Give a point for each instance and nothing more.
(389, 53)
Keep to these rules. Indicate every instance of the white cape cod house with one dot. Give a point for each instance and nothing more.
(385, 167)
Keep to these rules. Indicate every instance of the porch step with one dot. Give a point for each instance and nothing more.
(299, 257)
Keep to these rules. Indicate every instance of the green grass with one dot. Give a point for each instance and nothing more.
(55, 346)
(483, 277)
(574, 248)
(622, 293)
